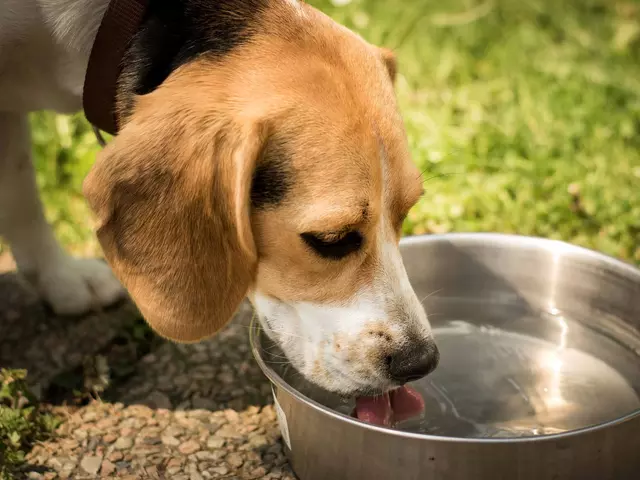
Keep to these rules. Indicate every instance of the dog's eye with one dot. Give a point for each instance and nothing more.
(332, 246)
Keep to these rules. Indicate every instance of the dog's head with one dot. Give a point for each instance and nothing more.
(278, 170)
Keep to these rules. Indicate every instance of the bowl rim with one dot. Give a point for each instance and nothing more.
(255, 329)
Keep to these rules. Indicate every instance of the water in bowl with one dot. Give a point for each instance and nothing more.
(510, 384)
(539, 375)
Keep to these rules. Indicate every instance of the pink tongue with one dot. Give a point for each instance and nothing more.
(389, 408)
(375, 410)
(406, 403)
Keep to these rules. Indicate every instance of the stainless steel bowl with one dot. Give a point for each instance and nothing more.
(539, 375)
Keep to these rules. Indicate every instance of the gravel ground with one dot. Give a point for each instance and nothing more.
(105, 440)
(217, 374)
(187, 412)
(32, 338)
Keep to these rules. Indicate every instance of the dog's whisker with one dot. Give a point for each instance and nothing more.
(443, 174)
(288, 334)
(284, 362)
(281, 332)
(270, 351)
(273, 355)
(430, 295)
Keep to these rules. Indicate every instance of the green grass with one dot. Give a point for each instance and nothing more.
(22, 422)
(524, 116)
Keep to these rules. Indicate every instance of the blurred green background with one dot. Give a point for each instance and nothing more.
(523, 114)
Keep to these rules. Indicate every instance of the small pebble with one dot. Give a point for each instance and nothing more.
(189, 447)
(122, 465)
(89, 417)
(215, 442)
(107, 468)
(258, 441)
(204, 403)
(232, 416)
(170, 441)
(105, 423)
(235, 460)
(91, 463)
(175, 462)
(228, 431)
(159, 400)
(226, 378)
(259, 472)
(123, 443)
(115, 456)
(222, 470)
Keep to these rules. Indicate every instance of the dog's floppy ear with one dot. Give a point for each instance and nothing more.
(171, 193)
(390, 61)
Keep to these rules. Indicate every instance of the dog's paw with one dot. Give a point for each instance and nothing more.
(74, 286)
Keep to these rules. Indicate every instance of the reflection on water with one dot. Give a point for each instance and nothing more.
(497, 383)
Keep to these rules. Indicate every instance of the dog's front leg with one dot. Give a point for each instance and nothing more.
(71, 286)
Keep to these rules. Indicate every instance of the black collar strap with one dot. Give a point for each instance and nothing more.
(121, 21)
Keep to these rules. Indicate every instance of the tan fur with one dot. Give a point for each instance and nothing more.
(390, 61)
(171, 194)
(172, 190)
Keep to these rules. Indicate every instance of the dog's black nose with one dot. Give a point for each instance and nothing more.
(414, 361)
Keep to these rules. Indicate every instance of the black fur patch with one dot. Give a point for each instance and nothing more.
(177, 31)
(272, 178)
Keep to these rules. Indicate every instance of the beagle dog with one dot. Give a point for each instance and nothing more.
(260, 154)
